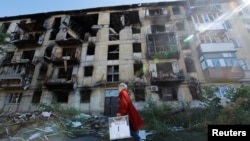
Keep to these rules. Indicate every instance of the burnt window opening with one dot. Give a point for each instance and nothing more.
(158, 28)
(136, 47)
(36, 96)
(82, 25)
(120, 19)
(4, 28)
(15, 97)
(56, 28)
(155, 12)
(189, 63)
(8, 57)
(88, 71)
(138, 70)
(113, 52)
(180, 26)
(91, 49)
(85, 96)
(113, 36)
(28, 55)
(113, 73)
(184, 45)
(69, 52)
(136, 28)
(168, 94)
(48, 51)
(176, 10)
(62, 96)
(43, 71)
(139, 94)
(11, 81)
(65, 74)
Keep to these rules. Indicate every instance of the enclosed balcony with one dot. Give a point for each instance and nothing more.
(224, 74)
(162, 46)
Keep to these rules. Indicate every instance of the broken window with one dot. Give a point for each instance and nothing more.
(81, 25)
(43, 71)
(158, 28)
(113, 35)
(88, 71)
(113, 52)
(62, 96)
(65, 74)
(8, 57)
(56, 28)
(139, 94)
(15, 97)
(155, 12)
(136, 47)
(180, 26)
(4, 28)
(138, 70)
(36, 96)
(136, 28)
(118, 20)
(91, 49)
(69, 52)
(85, 96)
(176, 10)
(113, 73)
(28, 55)
(168, 93)
(189, 62)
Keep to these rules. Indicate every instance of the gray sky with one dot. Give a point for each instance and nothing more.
(23, 7)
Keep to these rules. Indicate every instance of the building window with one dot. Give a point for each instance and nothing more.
(176, 10)
(158, 28)
(138, 70)
(85, 96)
(222, 91)
(91, 49)
(139, 94)
(168, 94)
(136, 47)
(88, 71)
(227, 24)
(61, 96)
(113, 52)
(28, 55)
(243, 64)
(65, 74)
(4, 28)
(15, 97)
(36, 96)
(189, 63)
(180, 26)
(113, 73)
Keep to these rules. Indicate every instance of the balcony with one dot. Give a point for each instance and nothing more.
(16, 75)
(162, 46)
(21, 40)
(160, 15)
(216, 47)
(60, 83)
(165, 73)
(224, 74)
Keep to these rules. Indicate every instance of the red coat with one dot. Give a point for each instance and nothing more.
(126, 107)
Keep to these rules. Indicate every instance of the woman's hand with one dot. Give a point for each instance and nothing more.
(118, 114)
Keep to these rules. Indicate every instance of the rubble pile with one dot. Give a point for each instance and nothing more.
(44, 125)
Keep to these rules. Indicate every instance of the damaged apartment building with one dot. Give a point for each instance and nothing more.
(164, 51)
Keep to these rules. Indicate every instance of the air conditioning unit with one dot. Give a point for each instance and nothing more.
(153, 88)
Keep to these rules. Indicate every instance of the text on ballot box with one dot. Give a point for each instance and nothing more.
(119, 127)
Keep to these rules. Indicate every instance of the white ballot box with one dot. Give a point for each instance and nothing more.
(119, 127)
